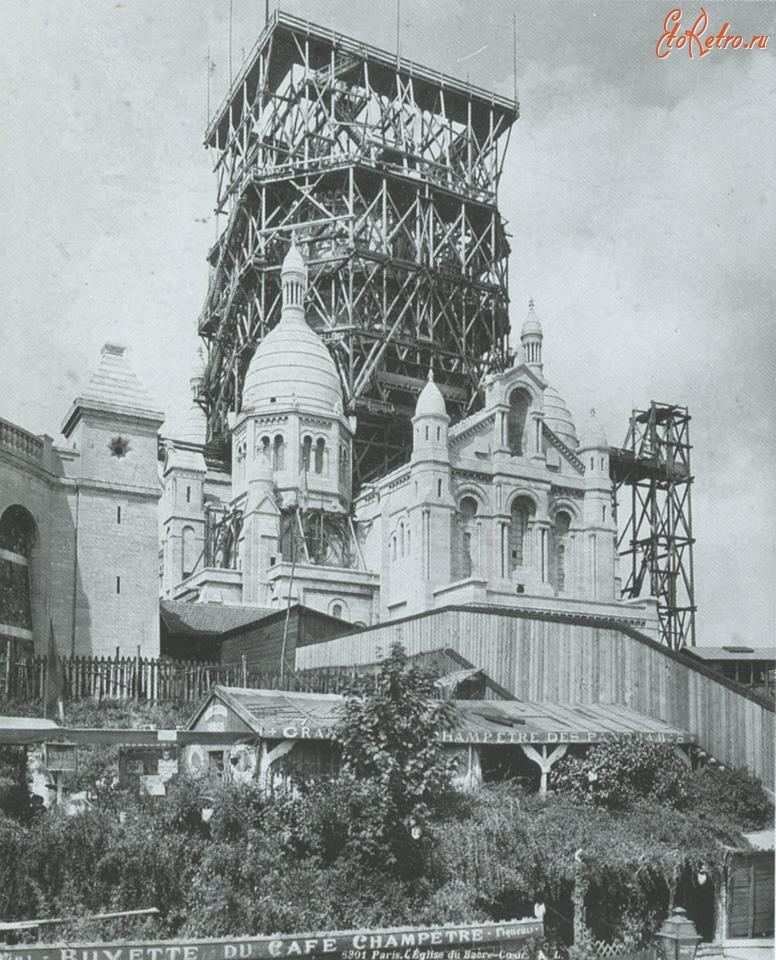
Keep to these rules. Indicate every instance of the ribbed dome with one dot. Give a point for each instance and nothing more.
(292, 362)
(194, 427)
(430, 403)
(592, 433)
(558, 418)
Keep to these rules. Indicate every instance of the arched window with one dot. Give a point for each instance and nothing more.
(519, 404)
(343, 463)
(409, 545)
(560, 531)
(522, 511)
(336, 611)
(307, 444)
(401, 539)
(17, 541)
(468, 508)
(393, 547)
(279, 454)
(265, 448)
(320, 446)
(188, 551)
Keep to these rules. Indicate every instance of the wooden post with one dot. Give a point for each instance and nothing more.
(545, 761)
(137, 680)
(7, 668)
(244, 670)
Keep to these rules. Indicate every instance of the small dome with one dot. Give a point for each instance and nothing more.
(592, 433)
(194, 427)
(430, 403)
(293, 261)
(531, 327)
(558, 418)
(292, 365)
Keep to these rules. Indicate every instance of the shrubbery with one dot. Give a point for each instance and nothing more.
(616, 774)
(383, 843)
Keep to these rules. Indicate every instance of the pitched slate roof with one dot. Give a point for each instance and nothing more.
(182, 619)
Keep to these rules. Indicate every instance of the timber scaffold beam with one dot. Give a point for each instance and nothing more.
(387, 173)
(652, 486)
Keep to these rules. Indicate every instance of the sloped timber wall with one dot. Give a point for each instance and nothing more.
(576, 659)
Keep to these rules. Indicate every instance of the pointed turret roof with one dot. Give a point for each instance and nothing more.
(431, 403)
(593, 434)
(531, 327)
(114, 388)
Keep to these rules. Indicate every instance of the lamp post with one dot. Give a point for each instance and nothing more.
(678, 937)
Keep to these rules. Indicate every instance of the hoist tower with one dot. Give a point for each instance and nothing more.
(652, 486)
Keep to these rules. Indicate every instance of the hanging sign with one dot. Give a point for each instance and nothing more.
(60, 757)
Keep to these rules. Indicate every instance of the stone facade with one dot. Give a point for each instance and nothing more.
(279, 529)
(87, 506)
(506, 507)
(509, 506)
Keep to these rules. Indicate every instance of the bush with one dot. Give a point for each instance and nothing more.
(616, 775)
(731, 795)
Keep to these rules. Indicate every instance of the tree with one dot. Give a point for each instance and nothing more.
(392, 761)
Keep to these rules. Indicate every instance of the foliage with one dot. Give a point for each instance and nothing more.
(108, 713)
(734, 796)
(616, 774)
(513, 848)
(393, 768)
(340, 852)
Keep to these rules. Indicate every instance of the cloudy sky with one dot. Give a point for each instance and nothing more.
(639, 195)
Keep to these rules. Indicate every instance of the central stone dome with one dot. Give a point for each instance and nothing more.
(291, 364)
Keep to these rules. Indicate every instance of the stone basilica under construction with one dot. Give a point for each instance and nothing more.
(507, 503)
(362, 439)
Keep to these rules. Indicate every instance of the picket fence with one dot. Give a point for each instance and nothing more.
(152, 680)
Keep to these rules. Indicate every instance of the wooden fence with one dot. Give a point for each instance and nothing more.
(153, 680)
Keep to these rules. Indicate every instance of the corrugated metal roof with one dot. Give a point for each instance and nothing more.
(183, 619)
(313, 716)
(732, 652)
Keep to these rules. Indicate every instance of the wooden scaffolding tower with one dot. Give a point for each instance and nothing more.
(387, 172)
(655, 517)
